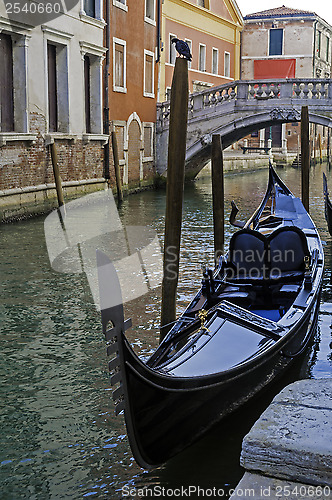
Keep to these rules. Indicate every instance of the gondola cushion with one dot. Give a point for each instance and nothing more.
(254, 257)
(287, 251)
(247, 255)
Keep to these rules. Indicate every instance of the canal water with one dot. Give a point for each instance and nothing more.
(59, 437)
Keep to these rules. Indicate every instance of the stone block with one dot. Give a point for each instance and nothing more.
(260, 487)
(293, 437)
(13, 200)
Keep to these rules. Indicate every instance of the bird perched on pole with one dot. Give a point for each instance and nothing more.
(182, 48)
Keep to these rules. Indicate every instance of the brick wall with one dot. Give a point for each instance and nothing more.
(148, 170)
(25, 164)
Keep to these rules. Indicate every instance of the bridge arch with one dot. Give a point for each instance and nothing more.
(199, 153)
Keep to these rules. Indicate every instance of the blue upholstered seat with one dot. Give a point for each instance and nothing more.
(247, 259)
(254, 257)
(287, 251)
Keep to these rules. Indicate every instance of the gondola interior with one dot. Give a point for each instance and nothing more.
(255, 284)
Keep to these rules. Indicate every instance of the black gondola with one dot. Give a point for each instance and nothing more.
(252, 316)
(328, 205)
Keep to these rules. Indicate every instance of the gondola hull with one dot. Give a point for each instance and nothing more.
(170, 414)
(235, 337)
(328, 205)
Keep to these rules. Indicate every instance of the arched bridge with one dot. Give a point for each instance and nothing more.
(237, 109)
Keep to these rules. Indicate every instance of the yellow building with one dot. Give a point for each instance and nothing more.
(212, 30)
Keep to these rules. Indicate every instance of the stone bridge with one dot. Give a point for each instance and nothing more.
(235, 110)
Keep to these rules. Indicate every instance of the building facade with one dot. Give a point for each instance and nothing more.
(286, 43)
(51, 91)
(212, 30)
(133, 86)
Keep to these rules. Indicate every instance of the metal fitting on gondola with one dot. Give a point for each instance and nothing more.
(202, 314)
(307, 273)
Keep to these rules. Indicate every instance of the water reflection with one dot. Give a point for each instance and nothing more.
(59, 437)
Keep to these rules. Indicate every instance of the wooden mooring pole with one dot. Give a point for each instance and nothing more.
(58, 184)
(305, 157)
(116, 166)
(217, 168)
(320, 149)
(328, 146)
(174, 192)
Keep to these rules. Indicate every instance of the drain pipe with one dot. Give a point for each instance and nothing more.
(241, 40)
(158, 30)
(106, 94)
(314, 47)
(158, 46)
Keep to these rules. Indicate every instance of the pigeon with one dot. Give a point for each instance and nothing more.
(182, 48)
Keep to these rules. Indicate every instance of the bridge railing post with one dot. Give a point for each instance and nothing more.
(329, 92)
(242, 90)
(286, 90)
(197, 102)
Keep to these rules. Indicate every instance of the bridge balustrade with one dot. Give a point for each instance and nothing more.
(249, 91)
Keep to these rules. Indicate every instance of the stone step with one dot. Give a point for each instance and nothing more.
(260, 487)
(293, 437)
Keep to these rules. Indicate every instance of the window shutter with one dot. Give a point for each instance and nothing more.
(87, 94)
(52, 88)
(6, 84)
(119, 63)
(148, 74)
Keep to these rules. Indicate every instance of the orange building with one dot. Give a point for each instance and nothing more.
(133, 86)
(212, 29)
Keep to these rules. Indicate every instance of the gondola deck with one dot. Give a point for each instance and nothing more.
(249, 320)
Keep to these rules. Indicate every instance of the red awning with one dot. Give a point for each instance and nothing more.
(274, 68)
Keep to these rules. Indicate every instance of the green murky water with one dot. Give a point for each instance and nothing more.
(59, 437)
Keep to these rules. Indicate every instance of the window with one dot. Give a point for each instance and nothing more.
(189, 42)
(150, 11)
(148, 74)
(227, 65)
(168, 93)
(172, 51)
(14, 115)
(90, 8)
(276, 39)
(148, 142)
(52, 89)
(327, 48)
(6, 84)
(203, 3)
(58, 91)
(215, 59)
(87, 93)
(202, 58)
(319, 41)
(92, 74)
(119, 65)
(122, 4)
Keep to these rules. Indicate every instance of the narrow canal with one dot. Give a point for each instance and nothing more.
(59, 436)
